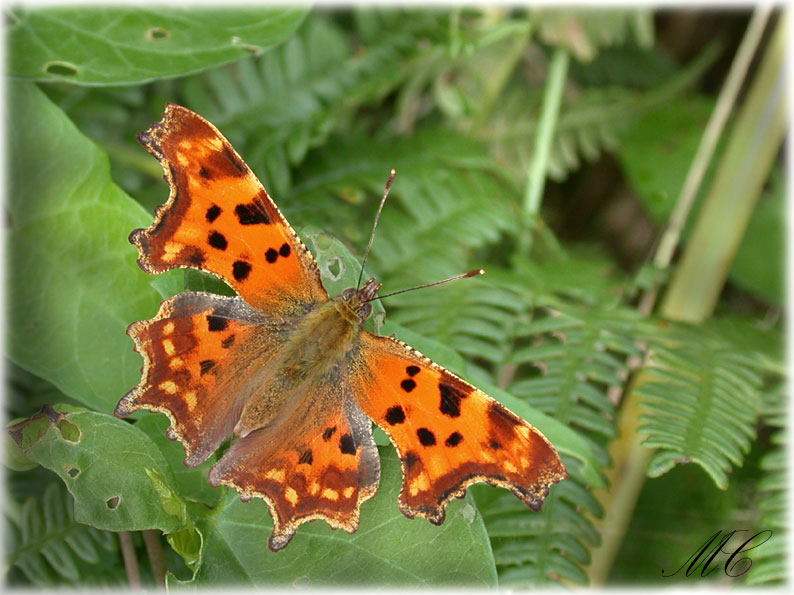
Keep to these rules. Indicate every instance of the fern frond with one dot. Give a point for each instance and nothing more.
(770, 563)
(537, 549)
(447, 200)
(291, 99)
(701, 396)
(589, 124)
(583, 31)
(49, 547)
(476, 317)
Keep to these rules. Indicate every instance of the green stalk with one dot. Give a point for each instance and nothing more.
(751, 151)
(755, 140)
(552, 97)
(536, 179)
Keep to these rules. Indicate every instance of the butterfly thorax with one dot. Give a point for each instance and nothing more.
(319, 343)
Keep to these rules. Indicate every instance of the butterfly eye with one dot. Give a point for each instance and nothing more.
(348, 293)
(365, 311)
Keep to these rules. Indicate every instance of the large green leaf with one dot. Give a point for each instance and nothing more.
(388, 549)
(125, 45)
(657, 150)
(104, 462)
(75, 284)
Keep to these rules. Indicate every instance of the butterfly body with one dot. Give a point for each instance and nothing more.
(320, 343)
(290, 372)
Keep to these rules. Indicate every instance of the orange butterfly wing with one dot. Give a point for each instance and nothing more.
(219, 218)
(320, 464)
(196, 360)
(448, 433)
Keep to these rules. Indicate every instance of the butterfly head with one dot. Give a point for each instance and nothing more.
(356, 301)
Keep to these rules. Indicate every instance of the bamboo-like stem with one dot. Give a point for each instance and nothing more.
(130, 560)
(536, 179)
(154, 550)
(752, 148)
(630, 458)
(705, 151)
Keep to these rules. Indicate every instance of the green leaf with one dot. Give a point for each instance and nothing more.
(125, 45)
(667, 135)
(76, 283)
(103, 461)
(701, 396)
(191, 482)
(388, 549)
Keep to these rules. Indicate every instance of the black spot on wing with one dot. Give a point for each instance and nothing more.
(206, 366)
(346, 445)
(204, 173)
(328, 433)
(453, 439)
(408, 385)
(194, 257)
(240, 270)
(284, 250)
(213, 213)
(271, 255)
(395, 415)
(451, 396)
(216, 323)
(306, 457)
(254, 212)
(412, 370)
(227, 342)
(236, 163)
(426, 437)
(218, 240)
(501, 418)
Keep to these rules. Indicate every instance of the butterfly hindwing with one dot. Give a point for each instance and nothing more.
(321, 464)
(195, 366)
(450, 434)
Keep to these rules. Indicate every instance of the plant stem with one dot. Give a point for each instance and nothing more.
(154, 550)
(130, 560)
(749, 155)
(630, 458)
(705, 151)
(536, 179)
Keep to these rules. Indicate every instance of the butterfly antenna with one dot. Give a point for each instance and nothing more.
(463, 276)
(392, 173)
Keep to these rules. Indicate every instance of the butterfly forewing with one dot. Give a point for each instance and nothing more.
(220, 219)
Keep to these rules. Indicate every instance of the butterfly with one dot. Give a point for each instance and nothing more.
(290, 372)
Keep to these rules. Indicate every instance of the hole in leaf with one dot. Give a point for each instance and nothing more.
(335, 268)
(60, 68)
(113, 503)
(157, 34)
(72, 471)
(69, 431)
